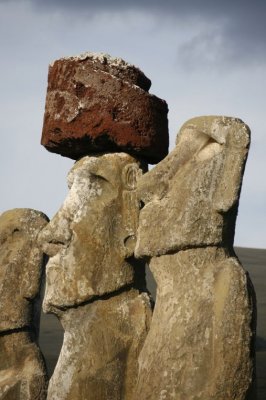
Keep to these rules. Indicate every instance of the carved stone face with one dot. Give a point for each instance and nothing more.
(191, 197)
(93, 233)
(21, 264)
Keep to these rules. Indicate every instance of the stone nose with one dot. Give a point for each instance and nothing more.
(55, 235)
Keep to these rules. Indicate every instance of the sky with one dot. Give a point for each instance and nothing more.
(203, 57)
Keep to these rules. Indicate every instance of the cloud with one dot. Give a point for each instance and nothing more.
(234, 34)
(227, 31)
(211, 41)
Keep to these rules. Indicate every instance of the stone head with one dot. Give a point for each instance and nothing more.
(92, 237)
(21, 266)
(191, 197)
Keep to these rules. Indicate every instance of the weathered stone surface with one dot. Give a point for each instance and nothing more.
(22, 370)
(202, 329)
(201, 341)
(102, 341)
(96, 103)
(92, 237)
(21, 267)
(89, 275)
(194, 191)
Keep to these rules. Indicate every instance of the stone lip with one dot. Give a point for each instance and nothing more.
(96, 103)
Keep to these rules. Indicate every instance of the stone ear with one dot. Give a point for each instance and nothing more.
(130, 175)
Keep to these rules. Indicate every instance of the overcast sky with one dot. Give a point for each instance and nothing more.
(203, 57)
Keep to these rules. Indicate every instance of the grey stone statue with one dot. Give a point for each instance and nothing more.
(201, 340)
(22, 369)
(92, 282)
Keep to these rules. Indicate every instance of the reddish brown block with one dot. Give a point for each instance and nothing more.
(96, 104)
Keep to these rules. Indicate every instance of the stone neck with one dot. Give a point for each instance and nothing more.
(84, 313)
(169, 270)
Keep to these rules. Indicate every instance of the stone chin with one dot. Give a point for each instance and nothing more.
(67, 287)
(62, 290)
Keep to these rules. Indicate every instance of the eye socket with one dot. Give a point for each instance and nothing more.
(99, 177)
(209, 151)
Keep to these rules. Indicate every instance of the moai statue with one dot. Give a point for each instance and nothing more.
(201, 340)
(91, 283)
(22, 370)
(99, 112)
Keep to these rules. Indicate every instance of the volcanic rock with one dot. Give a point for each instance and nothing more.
(92, 237)
(22, 369)
(102, 341)
(94, 285)
(21, 267)
(96, 103)
(202, 336)
(202, 176)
